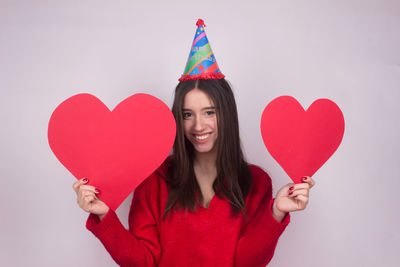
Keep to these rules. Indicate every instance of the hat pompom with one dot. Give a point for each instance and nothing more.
(200, 22)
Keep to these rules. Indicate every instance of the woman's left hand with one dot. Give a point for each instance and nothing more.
(292, 197)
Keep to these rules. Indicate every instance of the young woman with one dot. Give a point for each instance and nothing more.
(205, 206)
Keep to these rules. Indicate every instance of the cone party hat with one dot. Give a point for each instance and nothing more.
(201, 63)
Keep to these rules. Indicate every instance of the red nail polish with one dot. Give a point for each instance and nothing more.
(304, 178)
(290, 193)
(291, 188)
(97, 191)
(85, 180)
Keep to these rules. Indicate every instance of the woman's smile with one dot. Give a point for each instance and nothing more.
(202, 138)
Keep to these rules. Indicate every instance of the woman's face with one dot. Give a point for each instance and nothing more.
(200, 121)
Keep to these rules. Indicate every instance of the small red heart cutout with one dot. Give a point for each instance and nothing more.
(301, 141)
(116, 150)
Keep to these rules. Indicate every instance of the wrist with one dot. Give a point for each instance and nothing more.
(276, 213)
(101, 216)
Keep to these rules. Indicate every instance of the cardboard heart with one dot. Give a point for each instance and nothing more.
(301, 141)
(116, 150)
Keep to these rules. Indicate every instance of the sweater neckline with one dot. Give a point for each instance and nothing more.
(211, 203)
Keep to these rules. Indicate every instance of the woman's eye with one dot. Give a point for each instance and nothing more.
(210, 112)
(186, 115)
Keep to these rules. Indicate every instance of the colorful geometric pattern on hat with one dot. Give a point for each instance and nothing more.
(201, 63)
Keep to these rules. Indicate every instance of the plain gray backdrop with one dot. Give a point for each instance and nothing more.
(347, 51)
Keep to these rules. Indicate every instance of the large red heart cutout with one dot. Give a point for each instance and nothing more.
(116, 150)
(301, 141)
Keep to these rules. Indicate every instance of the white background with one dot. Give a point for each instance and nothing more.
(347, 51)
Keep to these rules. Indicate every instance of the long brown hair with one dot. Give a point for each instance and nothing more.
(233, 180)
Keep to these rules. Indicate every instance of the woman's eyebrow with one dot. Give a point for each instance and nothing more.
(188, 109)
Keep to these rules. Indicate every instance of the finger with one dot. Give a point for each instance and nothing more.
(84, 201)
(302, 202)
(290, 186)
(81, 198)
(84, 190)
(84, 193)
(312, 182)
(298, 192)
(300, 186)
(87, 206)
(89, 199)
(78, 183)
(88, 188)
(308, 180)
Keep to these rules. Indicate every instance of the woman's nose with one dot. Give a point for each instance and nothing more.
(198, 126)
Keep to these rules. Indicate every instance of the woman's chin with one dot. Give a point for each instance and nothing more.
(203, 149)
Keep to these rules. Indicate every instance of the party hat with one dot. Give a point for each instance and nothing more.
(201, 63)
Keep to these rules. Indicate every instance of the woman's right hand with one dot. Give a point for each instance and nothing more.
(87, 199)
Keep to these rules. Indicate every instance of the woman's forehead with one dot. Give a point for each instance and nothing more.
(197, 98)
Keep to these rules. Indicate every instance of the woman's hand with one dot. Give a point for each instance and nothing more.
(292, 197)
(87, 199)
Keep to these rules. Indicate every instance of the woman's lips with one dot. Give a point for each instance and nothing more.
(201, 138)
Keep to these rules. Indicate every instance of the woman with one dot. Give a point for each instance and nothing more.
(205, 206)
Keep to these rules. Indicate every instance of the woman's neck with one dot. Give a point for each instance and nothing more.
(206, 161)
(205, 169)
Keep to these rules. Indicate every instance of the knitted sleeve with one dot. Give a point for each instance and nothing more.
(140, 245)
(260, 235)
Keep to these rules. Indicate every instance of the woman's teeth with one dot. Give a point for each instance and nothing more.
(201, 137)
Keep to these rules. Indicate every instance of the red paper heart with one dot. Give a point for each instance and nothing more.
(116, 150)
(301, 141)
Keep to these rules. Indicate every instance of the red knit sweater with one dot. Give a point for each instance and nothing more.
(207, 237)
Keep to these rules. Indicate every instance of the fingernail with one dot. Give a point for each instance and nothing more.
(85, 180)
(97, 191)
(290, 193)
(291, 188)
(304, 178)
